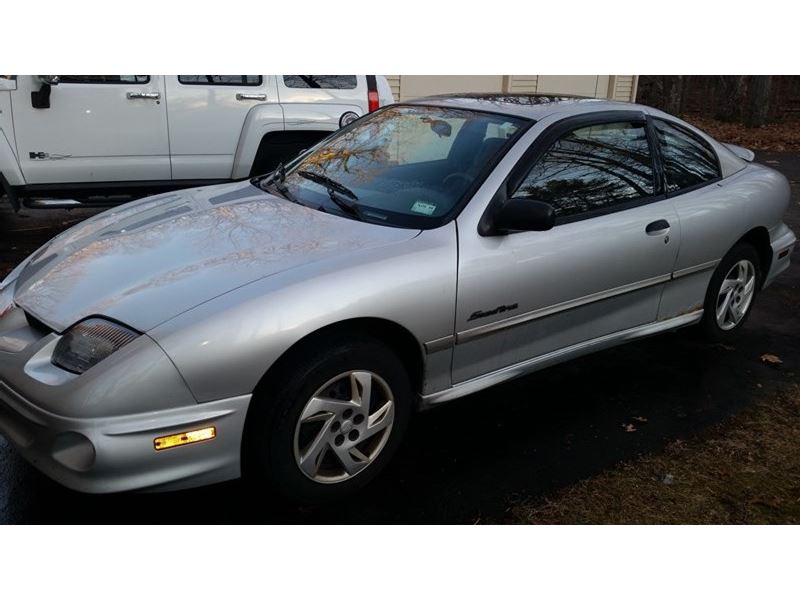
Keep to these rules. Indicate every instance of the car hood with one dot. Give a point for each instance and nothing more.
(146, 262)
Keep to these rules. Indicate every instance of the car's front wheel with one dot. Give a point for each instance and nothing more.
(330, 422)
(731, 292)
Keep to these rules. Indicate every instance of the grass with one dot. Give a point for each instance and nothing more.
(745, 470)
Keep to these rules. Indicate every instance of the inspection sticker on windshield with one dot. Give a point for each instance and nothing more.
(423, 208)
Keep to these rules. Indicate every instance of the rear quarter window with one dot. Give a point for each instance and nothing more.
(689, 161)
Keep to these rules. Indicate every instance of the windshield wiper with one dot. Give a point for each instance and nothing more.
(329, 183)
(349, 207)
(335, 191)
(276, 181)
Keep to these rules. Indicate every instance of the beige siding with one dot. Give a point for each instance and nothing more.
(520, 84)
(417, 86)
(394, 83)
(594, 86)
(617, 87)
(622, 87)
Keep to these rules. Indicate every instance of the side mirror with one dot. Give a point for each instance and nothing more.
(41, 98)
(48, 79)
(519, 214)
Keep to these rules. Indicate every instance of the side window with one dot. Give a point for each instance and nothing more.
(688, 160)
(592, 168)
(327, 82)
(220, 79)
(104, 78)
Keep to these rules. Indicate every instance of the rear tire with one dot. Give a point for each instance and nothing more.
(331, 420)
(731, 293)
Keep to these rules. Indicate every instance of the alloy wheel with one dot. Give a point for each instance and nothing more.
(343, 427)
(736, 294)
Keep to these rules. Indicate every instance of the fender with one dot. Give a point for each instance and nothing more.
(10, 172)
(260, 120)
(251, 327)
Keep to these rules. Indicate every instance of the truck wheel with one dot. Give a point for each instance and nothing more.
(332, 423)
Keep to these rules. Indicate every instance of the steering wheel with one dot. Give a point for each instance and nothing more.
(448, 181)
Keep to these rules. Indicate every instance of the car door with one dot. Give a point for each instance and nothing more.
(97, 128)
(600, 270)
(207, 115)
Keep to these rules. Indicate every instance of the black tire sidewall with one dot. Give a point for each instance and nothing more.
(274, 418)
(709, 324)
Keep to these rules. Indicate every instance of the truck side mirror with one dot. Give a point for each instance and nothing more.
(41, 98)
(49, 79)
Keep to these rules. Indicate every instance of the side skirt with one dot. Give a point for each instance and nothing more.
(105, 193)
(557, 356)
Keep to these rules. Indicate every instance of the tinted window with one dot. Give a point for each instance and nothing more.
(104, 78)
(220, 79)
(592, 168)
(408, 166)
(688, 161)
(329, 82)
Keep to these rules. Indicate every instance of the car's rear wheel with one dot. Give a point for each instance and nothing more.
(731, 293)
(330, 422)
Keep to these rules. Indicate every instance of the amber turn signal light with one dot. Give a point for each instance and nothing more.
(181, 439)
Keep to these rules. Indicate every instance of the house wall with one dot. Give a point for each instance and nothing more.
(617, 87)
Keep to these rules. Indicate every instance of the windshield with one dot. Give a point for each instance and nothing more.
(405, 166)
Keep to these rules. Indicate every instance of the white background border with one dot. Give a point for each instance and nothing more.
(399, 36)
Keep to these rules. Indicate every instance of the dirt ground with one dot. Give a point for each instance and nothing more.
(774, 137)
(745, 470)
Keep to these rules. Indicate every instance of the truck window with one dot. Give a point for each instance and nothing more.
(219, 79)
(104, 78)
(326, 82)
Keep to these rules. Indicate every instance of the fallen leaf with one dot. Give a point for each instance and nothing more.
(724, 347)
(668, 479)
(771, 359)
(628, 427)
(640, 419)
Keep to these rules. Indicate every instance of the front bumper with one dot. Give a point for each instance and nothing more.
(117, 454)
(95, 432)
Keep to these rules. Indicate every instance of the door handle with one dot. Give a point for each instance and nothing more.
(147, 95)
(251, 96)
(657, 227)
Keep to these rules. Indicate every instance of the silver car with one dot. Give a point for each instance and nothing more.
(286, 328)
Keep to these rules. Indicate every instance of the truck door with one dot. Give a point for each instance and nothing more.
(207, 115)
(97, 128)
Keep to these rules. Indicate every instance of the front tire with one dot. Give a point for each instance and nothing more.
(731, 293)
(330, 422)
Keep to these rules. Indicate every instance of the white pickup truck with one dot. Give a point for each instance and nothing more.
(66, 140)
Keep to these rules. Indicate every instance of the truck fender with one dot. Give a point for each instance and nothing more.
(9, 166)
(260, 120)
(10, 173)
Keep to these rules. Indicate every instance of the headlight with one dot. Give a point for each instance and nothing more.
(88, 342)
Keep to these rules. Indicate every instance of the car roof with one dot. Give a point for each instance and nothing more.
(531, 106)
(539, 106)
